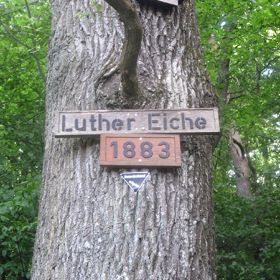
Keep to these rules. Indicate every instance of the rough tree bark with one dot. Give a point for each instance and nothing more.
(91, 225)
(241, 164)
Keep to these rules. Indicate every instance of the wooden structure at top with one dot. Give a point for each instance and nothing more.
(172, 2)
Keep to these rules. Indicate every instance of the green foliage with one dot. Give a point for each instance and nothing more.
(247, 235)
(96, 6)
(18, 211)
(246, 35)
(24, 30)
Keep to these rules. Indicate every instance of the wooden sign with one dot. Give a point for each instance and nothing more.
(172, 2)
(140, 150)
(188, 121)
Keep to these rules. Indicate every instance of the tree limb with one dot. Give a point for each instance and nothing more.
(132, 45)
(241, 164)
(37, 60)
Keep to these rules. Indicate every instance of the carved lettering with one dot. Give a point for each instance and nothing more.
(117, 124)
(83, 127)
(200, 123)
(131, 121)
(184, 119)
(153, 120)
(172, 123)
(92, 121)
(101, 121)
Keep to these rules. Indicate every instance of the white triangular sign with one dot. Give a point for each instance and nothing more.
(135, 180)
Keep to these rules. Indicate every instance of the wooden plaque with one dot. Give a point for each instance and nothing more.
(140, 150)
(181, 121)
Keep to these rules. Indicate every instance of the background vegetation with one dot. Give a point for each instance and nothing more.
(245, 35)
(24, 32)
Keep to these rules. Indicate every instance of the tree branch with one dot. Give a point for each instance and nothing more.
(37, 60)
(233, 97)
(132, 45)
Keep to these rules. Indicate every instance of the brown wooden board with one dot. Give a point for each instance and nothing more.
(140, 150)
(187, 121)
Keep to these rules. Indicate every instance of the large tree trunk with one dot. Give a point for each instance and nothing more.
(91, 225)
